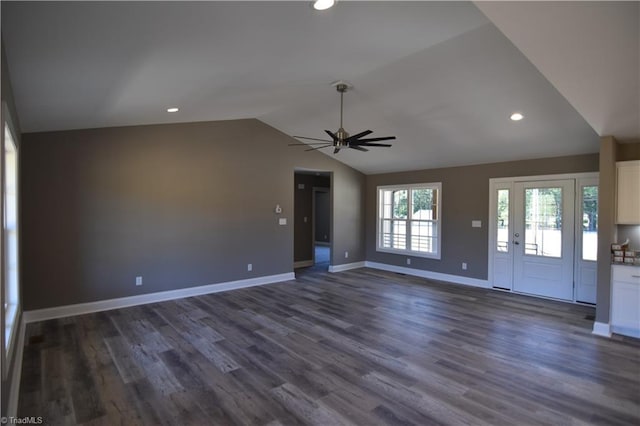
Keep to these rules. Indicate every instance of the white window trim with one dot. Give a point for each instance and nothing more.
(10, 312)
(438, 221)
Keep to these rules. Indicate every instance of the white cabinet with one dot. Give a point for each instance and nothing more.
(628, 192)
(625, 300)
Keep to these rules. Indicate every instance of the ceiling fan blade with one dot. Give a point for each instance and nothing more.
(358, 136)
(311, 143)
(319, 147)
(341, 139)
(384, 138)
(373, 144)
(312, 139)
(333, 135)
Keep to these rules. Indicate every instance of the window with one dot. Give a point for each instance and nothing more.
(10, 241)
(590, 223)
(502, 227)
(409, 219)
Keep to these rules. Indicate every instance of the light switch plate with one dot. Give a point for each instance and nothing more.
(476, 224)
(282, 221)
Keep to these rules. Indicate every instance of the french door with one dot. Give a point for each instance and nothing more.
(543, 237)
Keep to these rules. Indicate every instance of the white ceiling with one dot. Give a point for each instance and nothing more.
(439, 76)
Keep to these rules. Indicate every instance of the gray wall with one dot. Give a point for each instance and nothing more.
(628, 151)
(465, 197)
(303, 231)
(610, 152)
(181, 205)
(7, 96)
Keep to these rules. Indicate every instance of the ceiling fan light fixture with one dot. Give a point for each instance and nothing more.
(323, 4)
(341, 138)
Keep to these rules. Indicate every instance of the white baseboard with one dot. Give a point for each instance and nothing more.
(626, 331)
(123, 302)
(302, 264)
(346, 266)
(16, 374)
(457, 279)
(601, 329)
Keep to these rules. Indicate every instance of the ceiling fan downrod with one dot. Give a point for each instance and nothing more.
(341, 134)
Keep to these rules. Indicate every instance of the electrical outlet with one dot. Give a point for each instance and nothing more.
(138, 280)
(249, 267)
(464, 266)
(346, 254)
(408, 261)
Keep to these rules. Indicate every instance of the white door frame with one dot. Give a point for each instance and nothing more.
(508, 183)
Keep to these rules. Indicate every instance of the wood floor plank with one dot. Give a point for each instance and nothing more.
(85, 396)
(216, 354)
(120, 350)
(308, 410)
(363, 347)
(148, 403)
(432, 409)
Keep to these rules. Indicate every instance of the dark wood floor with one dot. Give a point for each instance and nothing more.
(360, 347)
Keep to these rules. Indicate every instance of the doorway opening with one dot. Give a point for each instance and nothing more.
(312, 219)
(543, 236)
(321, 224)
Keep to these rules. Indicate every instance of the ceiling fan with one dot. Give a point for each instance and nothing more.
(341, 139)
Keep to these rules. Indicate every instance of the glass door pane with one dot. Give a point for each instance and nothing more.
(502, 240)
(543, 222)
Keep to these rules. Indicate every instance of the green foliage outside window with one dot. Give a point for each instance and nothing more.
(422, 200)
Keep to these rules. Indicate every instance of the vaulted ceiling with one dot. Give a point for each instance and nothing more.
(442, 77)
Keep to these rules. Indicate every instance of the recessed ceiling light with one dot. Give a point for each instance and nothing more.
(516, 116)
(173, 109)
(323, 4)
